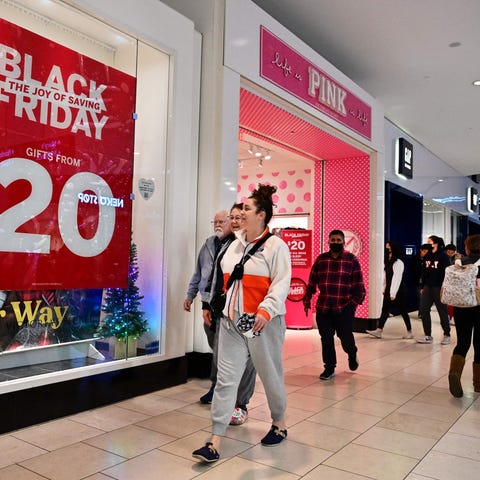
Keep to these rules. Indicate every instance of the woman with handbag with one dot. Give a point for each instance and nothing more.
(257, 287)
(467, 324)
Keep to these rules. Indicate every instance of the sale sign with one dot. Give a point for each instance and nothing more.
(300, 245)
(66, 164)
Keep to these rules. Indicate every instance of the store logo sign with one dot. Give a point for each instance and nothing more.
(404, 159)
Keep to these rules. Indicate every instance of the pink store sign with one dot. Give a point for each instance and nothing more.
(292, 72)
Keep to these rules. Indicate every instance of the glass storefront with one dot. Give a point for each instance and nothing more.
(83, 112)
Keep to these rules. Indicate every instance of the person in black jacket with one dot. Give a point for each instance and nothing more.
(434, 265)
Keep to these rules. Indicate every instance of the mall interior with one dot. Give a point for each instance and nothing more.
(125, 127)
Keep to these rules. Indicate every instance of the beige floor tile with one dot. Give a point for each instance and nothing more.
(428, 410)
(108, 418)
(154, 465)
(336, 417)
(176, 424)
(56, 434)
(13, 450)
(415, 424)
(72, 463)
(380, 394)
(321, 436)
(309, 402)
(372, 463)
(394, 441)
(459, 445)
(367, 406)
(152, 404)
(438, 396)
(300, 380)
(289, 456)
(328, 389)
(329, 473)
(242, 469)
(130, 441)
(196, 409)
(467, 426)
(15, 472)
(441, 466)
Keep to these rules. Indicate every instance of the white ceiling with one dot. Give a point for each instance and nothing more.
(403, 53)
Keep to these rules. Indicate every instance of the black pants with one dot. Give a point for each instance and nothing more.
(467, 322)
(341, 323)
(430, 296)
(400, 303)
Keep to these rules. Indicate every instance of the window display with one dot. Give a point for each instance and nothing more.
(67, 147)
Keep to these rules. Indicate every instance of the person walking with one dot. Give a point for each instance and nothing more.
(199, 283)
(467, 323)
(256, 296)
(434, 264)
(338, 277)
(394, 289)
(212, 315)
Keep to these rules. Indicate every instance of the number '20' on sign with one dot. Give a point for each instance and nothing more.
(72, 193)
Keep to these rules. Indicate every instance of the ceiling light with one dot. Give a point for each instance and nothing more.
(267, 156)
(260, 162)
(258, 153)
(476, 83)
(250, 150)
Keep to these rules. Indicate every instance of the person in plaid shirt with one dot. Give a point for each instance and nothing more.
(338, 277)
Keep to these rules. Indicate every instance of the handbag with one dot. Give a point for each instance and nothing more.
(219, 298)
(459, 288)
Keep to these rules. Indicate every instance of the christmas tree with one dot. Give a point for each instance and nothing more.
(123, 318)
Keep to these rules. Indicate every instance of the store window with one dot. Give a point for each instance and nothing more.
(83, 122)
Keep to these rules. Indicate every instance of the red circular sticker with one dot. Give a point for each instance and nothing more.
(298, 289)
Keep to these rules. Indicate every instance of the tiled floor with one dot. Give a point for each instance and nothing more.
(391, 419)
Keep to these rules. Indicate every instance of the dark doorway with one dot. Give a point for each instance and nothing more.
(403, 223)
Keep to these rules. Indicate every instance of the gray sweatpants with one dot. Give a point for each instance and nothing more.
(234, 349)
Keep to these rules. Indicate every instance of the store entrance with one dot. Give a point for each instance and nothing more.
(323, 183)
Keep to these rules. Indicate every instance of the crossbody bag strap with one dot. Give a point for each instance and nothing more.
(251, 253)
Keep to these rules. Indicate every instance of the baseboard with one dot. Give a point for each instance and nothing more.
(24, 408)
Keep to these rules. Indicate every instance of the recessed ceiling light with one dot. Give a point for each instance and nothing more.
(476, 83)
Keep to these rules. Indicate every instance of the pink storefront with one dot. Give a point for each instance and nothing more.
(306, 128)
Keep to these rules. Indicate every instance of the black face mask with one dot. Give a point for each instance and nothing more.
(336, 247)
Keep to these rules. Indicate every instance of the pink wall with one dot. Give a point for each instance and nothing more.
(342, 197)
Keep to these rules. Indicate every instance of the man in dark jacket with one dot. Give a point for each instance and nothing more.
(434, 265)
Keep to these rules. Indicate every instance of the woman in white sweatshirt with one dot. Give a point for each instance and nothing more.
(259, 295)
(394, 290)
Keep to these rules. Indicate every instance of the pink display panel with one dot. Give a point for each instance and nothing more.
(66, 160)
(289, 70)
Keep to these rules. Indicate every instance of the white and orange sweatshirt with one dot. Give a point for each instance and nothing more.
(266, 279)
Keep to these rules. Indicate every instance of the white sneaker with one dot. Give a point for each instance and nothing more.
(426, 339)
(408, 336)
(375, 333)
(446, 340)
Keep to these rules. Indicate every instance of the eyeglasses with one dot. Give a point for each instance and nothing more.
(218, 222)
(237, 218)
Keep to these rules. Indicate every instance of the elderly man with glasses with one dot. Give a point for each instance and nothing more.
(200, 282)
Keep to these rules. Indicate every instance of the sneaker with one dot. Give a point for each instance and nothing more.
(426, 339)
(207, 453)
(327, 374)
(446, 340)
(408, 336)
(239, 416)
(375, 333)
(353, 362)
(207, 398)
(274, 437)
